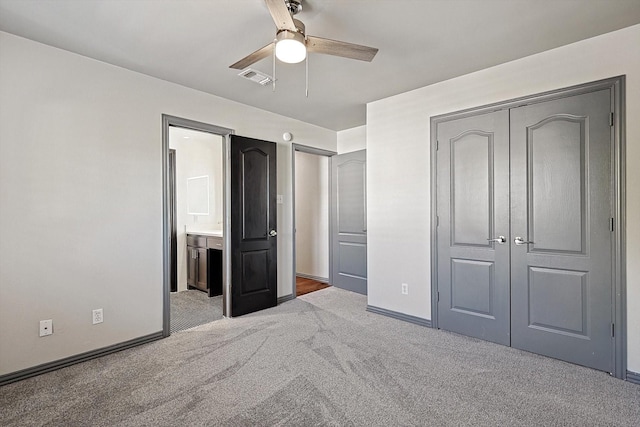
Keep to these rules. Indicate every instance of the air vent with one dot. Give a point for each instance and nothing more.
(256, 76)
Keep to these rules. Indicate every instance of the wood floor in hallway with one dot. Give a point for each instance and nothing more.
(304, 285)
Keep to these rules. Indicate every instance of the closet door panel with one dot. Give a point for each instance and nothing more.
(561, 274)
(473, 211)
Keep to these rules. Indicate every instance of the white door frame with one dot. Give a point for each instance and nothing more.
(619, 282)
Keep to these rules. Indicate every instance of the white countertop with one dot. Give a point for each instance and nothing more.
(211, 233)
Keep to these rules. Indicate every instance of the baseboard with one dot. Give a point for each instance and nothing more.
(72, 360)
(285, 298)
(633, 377)
(316, 278)
(400, 316)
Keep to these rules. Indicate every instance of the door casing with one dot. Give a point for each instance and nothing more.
(318, 152)
(168, 121)
(617, 87)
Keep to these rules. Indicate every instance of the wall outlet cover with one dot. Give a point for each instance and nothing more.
(97, 316)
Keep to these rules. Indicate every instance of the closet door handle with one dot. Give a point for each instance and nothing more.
(520, 241)
(499, 239)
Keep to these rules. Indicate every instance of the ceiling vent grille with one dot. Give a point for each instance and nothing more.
(256, 76)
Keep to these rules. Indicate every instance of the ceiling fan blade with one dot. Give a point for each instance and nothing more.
(280, 14)
(254, 57)
(338, 48)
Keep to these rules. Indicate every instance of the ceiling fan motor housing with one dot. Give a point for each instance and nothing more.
(299, 26)
(298, 36)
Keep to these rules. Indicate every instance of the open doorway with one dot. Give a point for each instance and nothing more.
(195, 212)
(197, 218)
(312, 225)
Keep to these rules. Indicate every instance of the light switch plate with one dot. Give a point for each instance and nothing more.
(46, 327)
(279, 199)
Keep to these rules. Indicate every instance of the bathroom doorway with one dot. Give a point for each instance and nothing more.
(195, 212)
(198, 215)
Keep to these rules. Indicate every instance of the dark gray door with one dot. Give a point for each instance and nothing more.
(473, 230)
(253, 225)
(561, 204)
(173, 227)
(349, 221)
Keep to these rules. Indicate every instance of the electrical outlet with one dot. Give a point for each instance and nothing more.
(46, 327)
(405, 289)
(97, 316)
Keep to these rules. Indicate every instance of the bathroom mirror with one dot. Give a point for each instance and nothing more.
(198, 195)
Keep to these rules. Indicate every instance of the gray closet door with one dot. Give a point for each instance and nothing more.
(473, 215)
(560, 193)
(349, 221)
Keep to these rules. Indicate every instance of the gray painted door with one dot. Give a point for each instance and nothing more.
(561, 281)
(540, 176)
(349, 221)
(473, 211)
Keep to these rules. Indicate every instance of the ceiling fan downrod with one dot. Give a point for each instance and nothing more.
(294, 6)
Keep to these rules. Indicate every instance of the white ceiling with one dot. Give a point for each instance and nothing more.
(193, 42)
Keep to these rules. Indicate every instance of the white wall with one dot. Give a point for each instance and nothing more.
(398, 163)
(200, 155)
(353, 139)
(312, 214)
(81, 196)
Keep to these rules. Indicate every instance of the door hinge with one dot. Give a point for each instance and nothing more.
(611, 224)
(437, 145)
(437, 221)
(613, 330)
(611, 117)
(438, 296)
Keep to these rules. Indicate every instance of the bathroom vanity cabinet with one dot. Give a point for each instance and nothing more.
(204, 262)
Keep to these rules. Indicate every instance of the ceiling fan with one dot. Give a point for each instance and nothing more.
(292, 44)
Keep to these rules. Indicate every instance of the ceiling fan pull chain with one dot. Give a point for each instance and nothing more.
(306, 70)
(273, 84)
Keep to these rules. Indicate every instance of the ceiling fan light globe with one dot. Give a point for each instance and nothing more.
(290, 47)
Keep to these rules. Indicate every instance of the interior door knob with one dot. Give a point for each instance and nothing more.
(273, 233)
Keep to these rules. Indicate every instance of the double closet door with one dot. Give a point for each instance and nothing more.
(524, 234)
